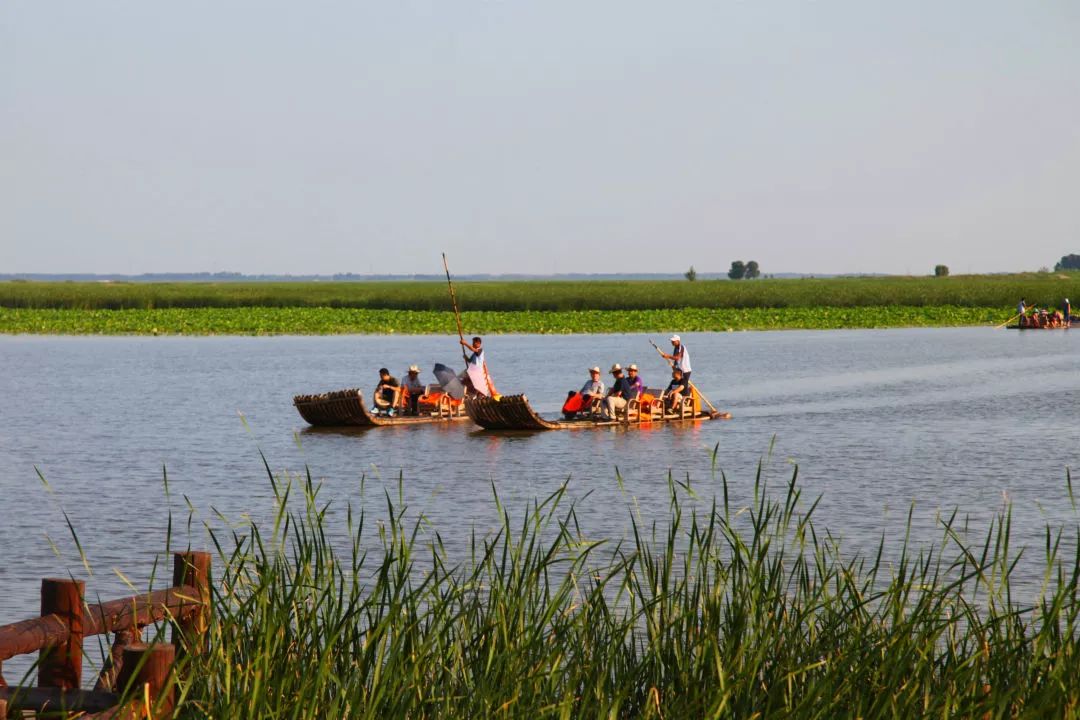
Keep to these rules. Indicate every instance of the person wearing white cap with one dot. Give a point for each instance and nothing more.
(617, 395)
(679, 357)
(415, 389)
(594, 388)
(1067, 311)
(637, 385)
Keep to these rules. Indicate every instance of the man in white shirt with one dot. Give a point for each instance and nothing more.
(679, 357)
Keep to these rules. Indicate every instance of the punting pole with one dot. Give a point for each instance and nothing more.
(457, 313)
(1008, 321)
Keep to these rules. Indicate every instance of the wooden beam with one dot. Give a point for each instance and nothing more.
(189, 629)
(146, 672)
(61, 664)
(141, 610)
(54, 699)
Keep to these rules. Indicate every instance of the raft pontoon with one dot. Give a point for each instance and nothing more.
(1060, 326)
(513, 412)
(345, 408)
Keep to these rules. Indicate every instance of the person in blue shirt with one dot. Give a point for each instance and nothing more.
(617, 395)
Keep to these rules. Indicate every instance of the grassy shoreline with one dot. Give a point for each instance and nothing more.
(335, 321)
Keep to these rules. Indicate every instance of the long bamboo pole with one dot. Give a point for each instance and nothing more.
(1008, 321)
(457, 313)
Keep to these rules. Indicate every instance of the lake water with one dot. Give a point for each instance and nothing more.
(876, 420)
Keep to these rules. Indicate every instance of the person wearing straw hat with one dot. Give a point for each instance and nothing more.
(637, 385)
(617, 395)
(679, 357)
(414, 388)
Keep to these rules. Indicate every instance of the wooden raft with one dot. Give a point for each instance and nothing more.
(346, 408)
(513, 412)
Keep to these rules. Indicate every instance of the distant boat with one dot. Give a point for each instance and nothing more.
(1047, 326)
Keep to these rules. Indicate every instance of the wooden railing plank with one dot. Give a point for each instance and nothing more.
(140, 610)
(31, 635)
(38, 633)
(54, 699)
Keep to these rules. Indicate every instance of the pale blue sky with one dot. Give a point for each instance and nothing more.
(546, 136)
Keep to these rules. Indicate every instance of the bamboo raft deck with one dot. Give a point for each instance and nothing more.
(513, 412)
(1063, 326)
(346, 408)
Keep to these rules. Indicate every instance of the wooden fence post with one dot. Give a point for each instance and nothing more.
(192, 569)
(146, 673)
(61, 665)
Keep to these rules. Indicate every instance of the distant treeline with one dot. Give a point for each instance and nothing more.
(982, 291)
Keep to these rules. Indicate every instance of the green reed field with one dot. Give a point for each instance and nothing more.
(525, 306)
(717, 611)
(982, 291)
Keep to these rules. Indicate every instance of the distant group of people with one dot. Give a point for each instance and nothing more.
(1035, 317)
(609, 402)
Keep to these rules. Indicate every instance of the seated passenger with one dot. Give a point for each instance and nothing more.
(386, 392)
(675, 391)
(592, 390)
(616, 397)
(637, 385)
(415, 389)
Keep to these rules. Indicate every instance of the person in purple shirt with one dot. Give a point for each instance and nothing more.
(637, 385)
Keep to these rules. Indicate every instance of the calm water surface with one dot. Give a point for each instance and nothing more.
(876, 420)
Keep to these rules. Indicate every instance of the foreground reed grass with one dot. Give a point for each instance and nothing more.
(722, 611)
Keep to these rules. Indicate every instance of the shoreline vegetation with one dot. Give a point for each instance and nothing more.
(719, 609)
(314, 308)
(339, 321)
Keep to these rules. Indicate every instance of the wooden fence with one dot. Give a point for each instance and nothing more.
(143, 672)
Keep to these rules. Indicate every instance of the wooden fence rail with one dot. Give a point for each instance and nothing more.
(143, 671)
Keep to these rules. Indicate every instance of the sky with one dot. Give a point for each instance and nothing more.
(545, 136)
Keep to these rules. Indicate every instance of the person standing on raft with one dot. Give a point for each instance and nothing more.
(477, 378)
(679, 357)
